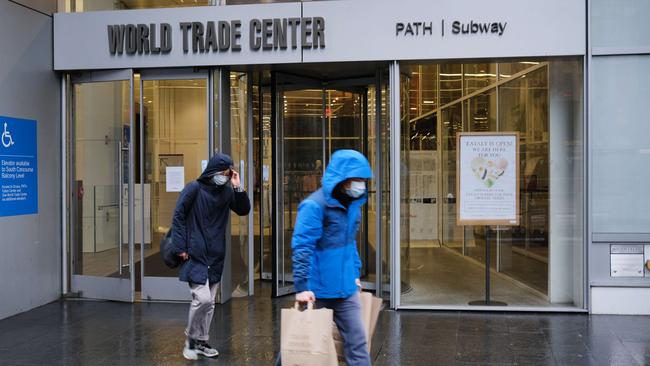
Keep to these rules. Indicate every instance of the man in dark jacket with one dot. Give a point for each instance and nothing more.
(326, 263)
(199, 238)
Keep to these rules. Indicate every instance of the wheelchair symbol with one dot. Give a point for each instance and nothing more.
(6, 137)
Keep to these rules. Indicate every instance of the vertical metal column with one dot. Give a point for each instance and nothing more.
(120, 206)
(498, 229)
(64, 186)
(324, 126)
(131, 193)
(211, 122)
(276, 219)
(378, 188)
(586, 167)
(143, 224)
(250, 188)
(395, 182)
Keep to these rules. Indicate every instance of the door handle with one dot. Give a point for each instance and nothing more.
(120, 204)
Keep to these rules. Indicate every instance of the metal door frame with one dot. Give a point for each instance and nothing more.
(165, 288)
(109, 288)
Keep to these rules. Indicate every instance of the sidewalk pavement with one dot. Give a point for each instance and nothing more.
(246, 332)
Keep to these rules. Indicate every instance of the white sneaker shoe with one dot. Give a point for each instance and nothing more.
(189, 351)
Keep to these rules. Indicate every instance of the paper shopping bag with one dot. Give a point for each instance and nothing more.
(370, 309)
(306, 337)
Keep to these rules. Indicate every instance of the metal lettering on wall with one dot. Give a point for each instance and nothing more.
(219, 36)
(425, 28)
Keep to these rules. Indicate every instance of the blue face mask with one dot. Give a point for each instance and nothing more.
(356, 189)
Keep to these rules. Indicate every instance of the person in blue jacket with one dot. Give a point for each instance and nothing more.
(198, 237)
(326, 263)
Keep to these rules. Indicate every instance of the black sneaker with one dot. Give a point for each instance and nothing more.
(203, 348)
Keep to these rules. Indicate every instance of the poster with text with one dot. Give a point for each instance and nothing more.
(175, 178)
(18, 167)
(487, 173)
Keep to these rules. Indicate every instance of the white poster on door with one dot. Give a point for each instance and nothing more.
(487, 173)
(175, 178)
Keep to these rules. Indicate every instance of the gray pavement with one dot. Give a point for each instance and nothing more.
(246, 332)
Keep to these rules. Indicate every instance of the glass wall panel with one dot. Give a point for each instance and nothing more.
(478, 76)
(72, 6)
(424, 89)
(266, 168)
(344, 121)
(175, 137)
(523, 108)
(78, 6)
(538, 263)
(99, 177)
(380, 171)
(239, 146)
(386, 231)
(451, 83)
(452, 123)
(481, 112)
(508, 70)
(372, 211)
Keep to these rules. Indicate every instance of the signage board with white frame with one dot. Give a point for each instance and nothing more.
(487, 176)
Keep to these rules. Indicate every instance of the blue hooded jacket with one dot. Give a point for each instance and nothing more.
(325, 256)
(200, 220)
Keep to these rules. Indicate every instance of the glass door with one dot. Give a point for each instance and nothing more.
(173, 151)
(312, 122)
(101, 185)
(299, 152)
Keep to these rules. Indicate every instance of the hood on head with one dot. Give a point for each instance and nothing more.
(344, 164)
(219, 162)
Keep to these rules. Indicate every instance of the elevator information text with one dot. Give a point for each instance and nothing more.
(18, 167)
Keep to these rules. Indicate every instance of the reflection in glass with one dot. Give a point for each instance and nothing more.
(510, 69)
(523, 107)
(175, 135)
(481, 117)
(302, 158)
(423, 89)
(451, 83)
(478, 76)
(264, 167)
(78, 6)
(99, 177)
(239, 152)
(452, 123)
(531, 264)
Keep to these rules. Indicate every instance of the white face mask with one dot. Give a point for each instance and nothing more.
(356, 190)
(220, 179)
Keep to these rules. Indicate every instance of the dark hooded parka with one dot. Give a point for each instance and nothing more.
(200, 221)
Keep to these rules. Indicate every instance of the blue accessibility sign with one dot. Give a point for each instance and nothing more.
(18, 167)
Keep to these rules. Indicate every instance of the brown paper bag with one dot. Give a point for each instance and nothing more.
(370, 308)
(306, 337)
